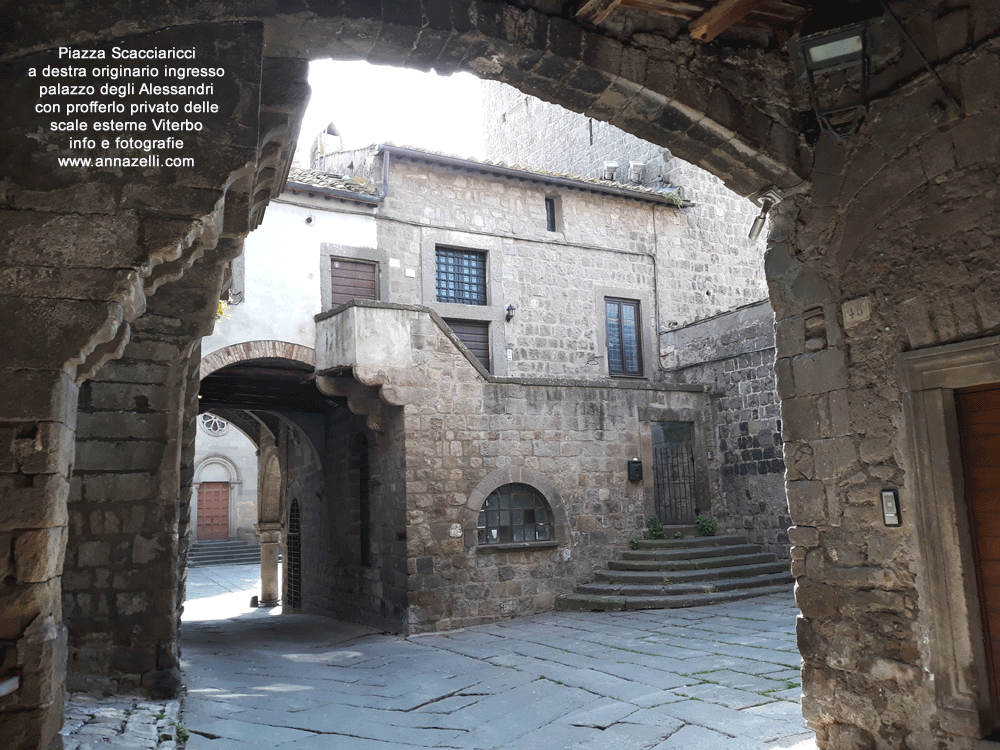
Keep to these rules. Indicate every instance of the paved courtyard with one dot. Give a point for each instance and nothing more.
(722, 677)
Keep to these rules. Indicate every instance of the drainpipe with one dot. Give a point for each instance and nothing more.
(656, 293)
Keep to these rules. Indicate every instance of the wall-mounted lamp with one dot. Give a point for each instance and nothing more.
(766, 200)
(510, 312)
(843, 37)
(636, 171)
(610, 170)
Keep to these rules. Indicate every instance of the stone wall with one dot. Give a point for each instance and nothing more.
(521, 129)
(468, 433)
(337, 579)
(604, 245)
(733, 353)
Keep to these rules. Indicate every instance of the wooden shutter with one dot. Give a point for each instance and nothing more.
(476, 336)
(352, 279)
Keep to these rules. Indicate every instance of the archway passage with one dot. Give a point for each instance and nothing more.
(272, 385)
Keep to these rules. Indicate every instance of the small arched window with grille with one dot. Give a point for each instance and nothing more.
(514, 513)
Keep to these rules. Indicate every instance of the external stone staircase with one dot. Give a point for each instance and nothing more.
(686, 572)
(223, 552)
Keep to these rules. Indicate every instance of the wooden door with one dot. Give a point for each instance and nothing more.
(979, 427)
(213, 510)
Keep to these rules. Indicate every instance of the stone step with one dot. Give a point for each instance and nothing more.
(634, 589)
(614, 603)
(721, 561)
(687, 542)
(655, 577)
(223, 552)
(691, 553)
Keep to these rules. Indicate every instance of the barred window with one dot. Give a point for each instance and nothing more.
(460, 276)
(514, 513)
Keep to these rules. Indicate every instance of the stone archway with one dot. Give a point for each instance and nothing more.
(731, 110)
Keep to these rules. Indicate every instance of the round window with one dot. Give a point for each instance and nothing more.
(214, 425)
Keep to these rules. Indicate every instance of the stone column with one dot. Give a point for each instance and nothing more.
(270, 538)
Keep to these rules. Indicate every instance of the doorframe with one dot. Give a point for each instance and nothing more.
(946, 579)
(234, 488)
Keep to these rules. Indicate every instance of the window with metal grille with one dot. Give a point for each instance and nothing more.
(514, 513)
(460, 276)
(624, 340)
(294, 547)
(475, 334)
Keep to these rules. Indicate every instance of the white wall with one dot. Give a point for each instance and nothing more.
(282, 272)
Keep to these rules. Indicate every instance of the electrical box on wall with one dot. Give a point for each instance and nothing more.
(634, 470)
(890, 508)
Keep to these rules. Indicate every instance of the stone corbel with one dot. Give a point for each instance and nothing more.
(362, 400)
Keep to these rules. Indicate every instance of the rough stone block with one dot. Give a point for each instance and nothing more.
(807, 502)
(833, 457)
(38, 555)
(40, 504)
(913, 315)
(800, 418)
(106, 455)
(803, 536)
(820, 372)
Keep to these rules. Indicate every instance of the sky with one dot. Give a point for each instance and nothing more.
(377, 104)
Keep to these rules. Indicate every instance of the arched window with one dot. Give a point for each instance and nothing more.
(514, 513)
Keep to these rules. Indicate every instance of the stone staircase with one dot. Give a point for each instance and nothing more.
(223, 552)
(686, 572)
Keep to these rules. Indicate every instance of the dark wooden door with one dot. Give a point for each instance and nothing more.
(213, 510)
(979, 426)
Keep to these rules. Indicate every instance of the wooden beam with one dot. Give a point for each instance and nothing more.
(720, 17)
(595, 11)
(659, 8)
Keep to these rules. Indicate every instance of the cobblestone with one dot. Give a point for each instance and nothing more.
(119, 723)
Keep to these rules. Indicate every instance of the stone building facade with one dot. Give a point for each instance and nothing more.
(879, 267)
(533, 401)
(732, 352)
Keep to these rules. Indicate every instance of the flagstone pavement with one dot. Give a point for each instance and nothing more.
(720, 677)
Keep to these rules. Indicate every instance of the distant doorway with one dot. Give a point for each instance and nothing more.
(673, 472)
(213, 510)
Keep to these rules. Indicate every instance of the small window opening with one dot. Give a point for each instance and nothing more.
(551, 214)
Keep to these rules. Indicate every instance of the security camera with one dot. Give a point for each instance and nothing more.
(310, 220)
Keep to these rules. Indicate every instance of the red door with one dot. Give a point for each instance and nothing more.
(213, 510)
(979, 425)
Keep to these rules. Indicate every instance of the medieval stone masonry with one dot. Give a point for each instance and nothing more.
(553, 280)
(881, 274)
(732, 353)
